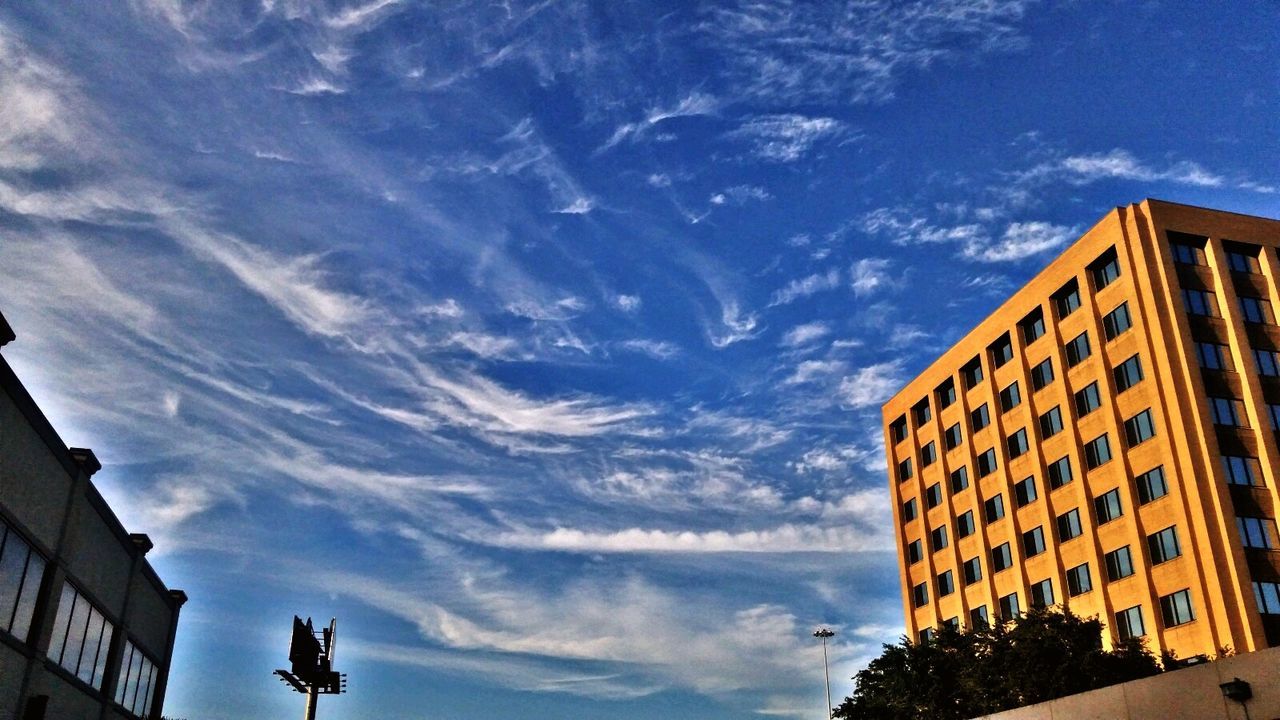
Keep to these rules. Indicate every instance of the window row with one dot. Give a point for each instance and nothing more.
(1103, 271)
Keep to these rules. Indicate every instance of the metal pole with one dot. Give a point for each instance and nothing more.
(313, 697)
(825, 633)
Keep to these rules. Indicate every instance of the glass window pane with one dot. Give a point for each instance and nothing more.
(122, 682)
(13, 562)
(27, 597)
(100, 668)
(75, 635)
(62, 623)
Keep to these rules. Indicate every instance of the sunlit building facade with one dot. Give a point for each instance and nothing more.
(86, 626)
(1106, 440)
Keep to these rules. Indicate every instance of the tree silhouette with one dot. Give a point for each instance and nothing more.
(1045, 654)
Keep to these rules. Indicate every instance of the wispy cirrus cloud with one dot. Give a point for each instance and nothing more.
(805, 286)
(852, 51)
(788, 137)
(872, 385)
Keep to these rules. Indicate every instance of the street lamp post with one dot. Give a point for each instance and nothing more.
(825, 633)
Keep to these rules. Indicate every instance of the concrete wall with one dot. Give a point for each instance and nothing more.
(1188, 693)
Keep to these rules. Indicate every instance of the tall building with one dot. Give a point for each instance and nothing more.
(86, 625)
(1106, 441)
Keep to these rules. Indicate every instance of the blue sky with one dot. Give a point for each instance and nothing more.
(543, 343)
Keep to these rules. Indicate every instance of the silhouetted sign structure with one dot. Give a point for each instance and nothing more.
(311, 663)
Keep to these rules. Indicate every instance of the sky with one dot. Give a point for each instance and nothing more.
(543, 343)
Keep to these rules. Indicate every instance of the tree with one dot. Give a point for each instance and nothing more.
(958, 674)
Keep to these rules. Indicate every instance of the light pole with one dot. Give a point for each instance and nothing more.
(825, 633)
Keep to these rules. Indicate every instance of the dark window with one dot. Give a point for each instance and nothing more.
(904, 470)
(1067, 300)
(946, 394)
(1088, 399)
(946, 584)
(915, 552)
(1042, 593)
(1200, 302)
(1256, 532)
(1188, 254)
(898, 430)
(1042, 374)
(1119, 563)
(980, 417)
(938, 538)
(1009, 607)
(1151, 485)
(922, 412)
(1107, 506)
(1268, 596)
(1176, 608)
(1128, 374)
(910, 510)
(1257, 311)
(959, 479)
(1243, 259)
(1032, 326)
(1017, 443)
(978, 617)
(993, 508)
(1010, 397)
(136, 682)
(1188, 249)
(926, 636)
(81, 637)
(1078, 349)
(21, 570)
(952, 437)
(1273, 410)
(933, 495)
(1227, 411)
(1069, 525)
(964, 524)
(1213, 356)
(1139, 428)
(1051, 422)
(1268, 362)
(920, 594)
(1129, 623)
(1078, 580)
(1105, 269)
(972, 373)
(1240, 470)
(928, 454)
(1024, 492)
(987, 463)
(1059, 473)
(1001, 558)
(1097, 451)
(1163, 545)
(972, 571)
(1033, 541)
(1001, 351)
(1117, 321)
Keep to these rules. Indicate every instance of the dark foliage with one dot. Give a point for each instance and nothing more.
(960, 674)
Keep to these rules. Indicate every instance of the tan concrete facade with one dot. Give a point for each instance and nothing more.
(1143, 528)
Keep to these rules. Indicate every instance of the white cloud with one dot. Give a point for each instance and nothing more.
(693, 104)
(812, 370)
(786, 138)
(659, 180)
(787, 538)
(868, 275)
(740, 195)
(558, 310)
(806, 286)
(872, 385)
(659, 350)
(1022, 240)
(805, 334)
(484, 345)
(627, 303)
(737, 327)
